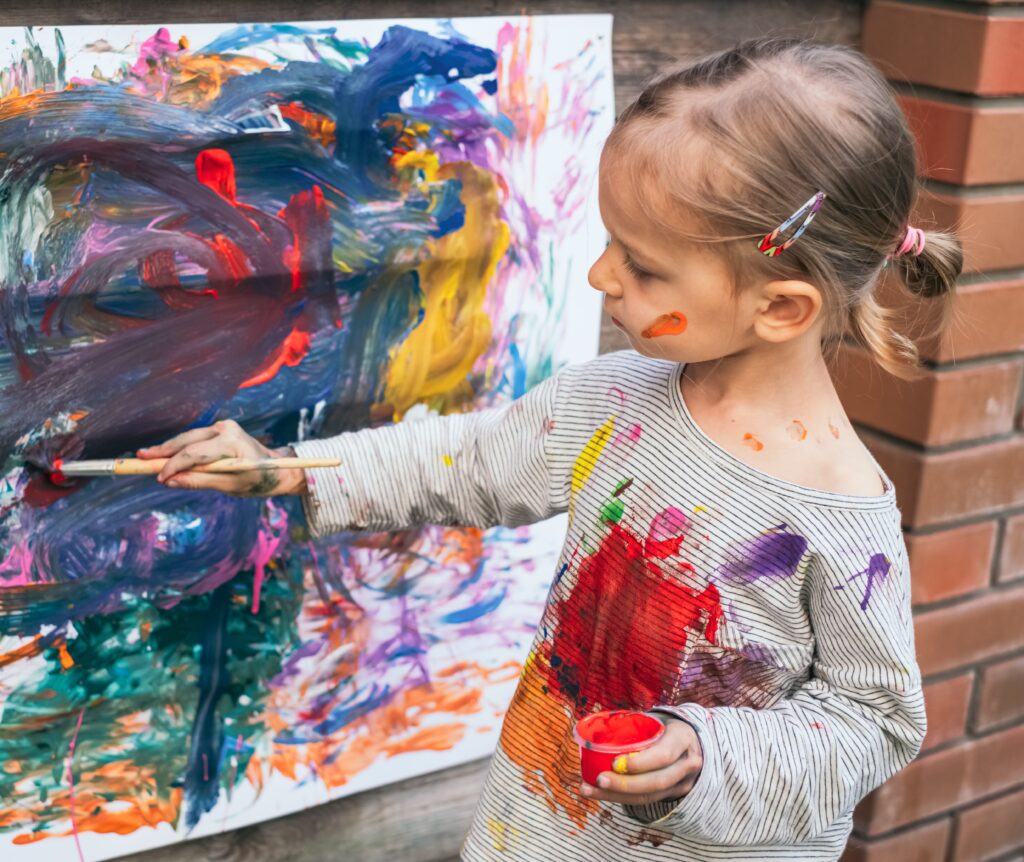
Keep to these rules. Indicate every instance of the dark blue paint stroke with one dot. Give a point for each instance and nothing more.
(201, 781)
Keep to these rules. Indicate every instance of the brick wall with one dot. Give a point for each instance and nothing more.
(953, 441)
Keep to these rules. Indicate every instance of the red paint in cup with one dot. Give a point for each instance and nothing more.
(603, 736)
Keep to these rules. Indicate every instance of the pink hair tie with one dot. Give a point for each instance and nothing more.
(913, 242)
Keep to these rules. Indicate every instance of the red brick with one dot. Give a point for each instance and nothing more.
(951, 563)
(990, 829)
(987, 321)
(1011, 563)
(966, 144)
(946, 703)
(945, 780)
(939, 408)
(970, 631)
(1002, 695)
(925, 844)
(989, 223)
(943, 487)
(964, 51)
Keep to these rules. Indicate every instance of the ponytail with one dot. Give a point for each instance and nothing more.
(930, 274)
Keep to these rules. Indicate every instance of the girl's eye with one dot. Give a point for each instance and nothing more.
(631, 267)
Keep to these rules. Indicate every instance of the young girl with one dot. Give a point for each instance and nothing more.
(734, 561)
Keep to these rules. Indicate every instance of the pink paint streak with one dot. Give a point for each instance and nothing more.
(71, 785)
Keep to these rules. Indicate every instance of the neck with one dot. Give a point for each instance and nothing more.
(777, 377)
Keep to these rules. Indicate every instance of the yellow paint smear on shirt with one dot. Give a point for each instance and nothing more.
(586, 461)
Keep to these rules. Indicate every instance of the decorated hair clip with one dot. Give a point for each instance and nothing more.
(770, 248)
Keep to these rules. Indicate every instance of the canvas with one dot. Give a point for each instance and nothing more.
(309, 228)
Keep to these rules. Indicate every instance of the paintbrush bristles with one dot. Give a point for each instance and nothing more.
(152, 466)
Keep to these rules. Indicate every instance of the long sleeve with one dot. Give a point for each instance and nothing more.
(782, 775)
(496, 466)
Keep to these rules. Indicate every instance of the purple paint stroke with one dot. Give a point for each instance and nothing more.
(774, 554)
(878, 568)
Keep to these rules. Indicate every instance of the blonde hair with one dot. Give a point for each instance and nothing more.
(736, 142)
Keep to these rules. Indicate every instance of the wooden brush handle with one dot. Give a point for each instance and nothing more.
(152, 466)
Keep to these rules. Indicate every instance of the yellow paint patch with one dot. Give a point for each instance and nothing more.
(621, 764)
(699, 510)
(504, 836)
(447, 460)
(586, 461)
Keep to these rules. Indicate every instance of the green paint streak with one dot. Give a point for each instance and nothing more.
(139, 696)
(613, 510)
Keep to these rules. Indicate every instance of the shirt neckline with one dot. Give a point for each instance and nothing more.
(725, 458)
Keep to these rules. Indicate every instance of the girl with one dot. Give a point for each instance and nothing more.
(734, 561)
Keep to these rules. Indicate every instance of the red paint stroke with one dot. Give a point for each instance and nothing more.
(751, 441)
(291, 352)
(216, 170)
(71, 785)
(672, 323)
(622, 633)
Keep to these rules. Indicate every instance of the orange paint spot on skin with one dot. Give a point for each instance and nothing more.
(751, 441)
(797, 430)
(834, 430)
(672, 323)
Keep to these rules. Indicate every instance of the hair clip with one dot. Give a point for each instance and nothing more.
(768, 246)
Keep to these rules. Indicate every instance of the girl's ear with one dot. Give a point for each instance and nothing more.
(786, 310)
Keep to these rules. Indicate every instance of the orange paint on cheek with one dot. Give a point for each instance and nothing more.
(672, 323)
(751, 441)
(797, 430)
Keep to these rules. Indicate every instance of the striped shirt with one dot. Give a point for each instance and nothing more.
(772, 617)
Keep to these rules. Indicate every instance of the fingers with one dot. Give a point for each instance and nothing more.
(653, 782)
(677, 791)
(678, 740)
(176, 444)
(205, 452)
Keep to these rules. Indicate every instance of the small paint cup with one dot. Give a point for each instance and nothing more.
(603, 736)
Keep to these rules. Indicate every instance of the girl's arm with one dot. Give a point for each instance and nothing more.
(785, 774)
(474, 469)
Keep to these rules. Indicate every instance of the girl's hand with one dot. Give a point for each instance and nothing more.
(666, 770)
(222, 440)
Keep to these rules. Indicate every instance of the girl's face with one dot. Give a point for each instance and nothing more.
(673, 300)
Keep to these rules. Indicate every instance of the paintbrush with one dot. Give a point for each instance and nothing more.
(151, 466)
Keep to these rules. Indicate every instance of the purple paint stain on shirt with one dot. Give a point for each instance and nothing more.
(775, 554)
(877, 570)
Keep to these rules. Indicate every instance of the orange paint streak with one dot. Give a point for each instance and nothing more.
(797, 430)
(672, 323)
(834, 430)
(319, 126)
(751, 441)
(32, 648)
(66, 661)
(537, 737)
(291, 352)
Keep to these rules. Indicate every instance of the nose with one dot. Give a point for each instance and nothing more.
(602, 276)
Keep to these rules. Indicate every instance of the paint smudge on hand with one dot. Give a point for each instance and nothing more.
(797, 431)
(752, 441)
(672, 323)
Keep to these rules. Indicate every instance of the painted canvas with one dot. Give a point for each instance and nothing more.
(309, 228)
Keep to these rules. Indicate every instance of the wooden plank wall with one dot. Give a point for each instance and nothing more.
(424, 819)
